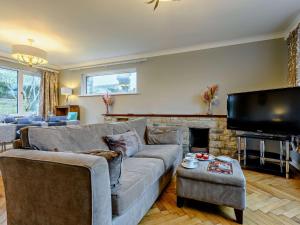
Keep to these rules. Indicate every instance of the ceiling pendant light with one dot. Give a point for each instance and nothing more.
(156, 2)
(29, 55)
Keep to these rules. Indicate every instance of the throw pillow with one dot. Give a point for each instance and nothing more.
(72, 116)
(114, 160)
(129, 143)
(163, 135)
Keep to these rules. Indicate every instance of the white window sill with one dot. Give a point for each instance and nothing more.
(112, 94)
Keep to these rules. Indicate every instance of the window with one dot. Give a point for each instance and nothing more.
(31, 93)
(114, 82)
(8, 91)
(19, 92)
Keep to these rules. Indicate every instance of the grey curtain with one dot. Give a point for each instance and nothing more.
(49, 93)
(294, 57)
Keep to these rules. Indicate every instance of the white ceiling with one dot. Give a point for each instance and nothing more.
(75, 32)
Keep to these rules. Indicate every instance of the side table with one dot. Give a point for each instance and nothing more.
(284, 144)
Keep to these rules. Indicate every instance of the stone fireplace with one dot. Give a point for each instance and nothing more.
(220, 141)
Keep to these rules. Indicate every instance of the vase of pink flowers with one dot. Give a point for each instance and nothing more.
(108, 101)
(209, 97)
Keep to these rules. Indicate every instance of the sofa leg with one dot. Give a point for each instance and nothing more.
(180, 201)
(239, 215)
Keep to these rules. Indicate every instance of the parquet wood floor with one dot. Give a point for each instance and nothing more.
(271, 200)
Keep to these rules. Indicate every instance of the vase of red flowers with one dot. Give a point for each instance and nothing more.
(108, 101)
(209, 97)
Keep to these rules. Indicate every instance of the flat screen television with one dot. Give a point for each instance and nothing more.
(270, 111)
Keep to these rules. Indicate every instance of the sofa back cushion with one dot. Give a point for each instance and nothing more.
(24, 120)
(69, 139)
(164, 135)
(139, 125)
(9, 119)
(36, 118)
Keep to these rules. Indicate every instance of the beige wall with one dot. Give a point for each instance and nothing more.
(174, 83)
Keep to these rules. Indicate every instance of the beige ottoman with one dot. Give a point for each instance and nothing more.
(220, 189)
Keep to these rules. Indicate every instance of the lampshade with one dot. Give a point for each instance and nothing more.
(66, 91)
(29, 55)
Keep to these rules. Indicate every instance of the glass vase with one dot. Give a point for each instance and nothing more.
(209, 109)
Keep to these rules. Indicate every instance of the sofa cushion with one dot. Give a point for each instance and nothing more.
(167, 153)
(129, 143)
(137, 175)
(114, 160)
(138, 124)
(57, 118)
(24, 120)
(163, 135)
(69, 139)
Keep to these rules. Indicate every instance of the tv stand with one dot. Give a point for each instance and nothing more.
(284, 143)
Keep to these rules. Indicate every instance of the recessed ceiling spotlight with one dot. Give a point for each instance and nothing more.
(156, 2)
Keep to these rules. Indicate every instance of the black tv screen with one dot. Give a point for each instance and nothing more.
(271, 111)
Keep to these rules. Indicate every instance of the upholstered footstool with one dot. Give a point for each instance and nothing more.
(206, 186)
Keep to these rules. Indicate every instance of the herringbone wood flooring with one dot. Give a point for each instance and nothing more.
(271, 200)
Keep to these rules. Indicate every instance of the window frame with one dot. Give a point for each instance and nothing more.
(20, 76)
(83, 89)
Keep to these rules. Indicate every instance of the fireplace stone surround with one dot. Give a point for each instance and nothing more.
(221, 140)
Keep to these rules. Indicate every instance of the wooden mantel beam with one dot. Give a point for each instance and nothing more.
(166, 115)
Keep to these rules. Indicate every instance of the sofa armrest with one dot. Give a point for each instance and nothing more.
(56, 188)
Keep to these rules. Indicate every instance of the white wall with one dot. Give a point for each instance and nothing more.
(174, 83)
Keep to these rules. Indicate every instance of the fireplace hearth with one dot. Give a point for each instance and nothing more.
(199, 140)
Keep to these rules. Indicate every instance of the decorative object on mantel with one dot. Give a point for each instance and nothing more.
(108, 101)
(29, 55)
(156, 2)
(209, 97)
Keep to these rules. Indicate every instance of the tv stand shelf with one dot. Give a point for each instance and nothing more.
(284, 143)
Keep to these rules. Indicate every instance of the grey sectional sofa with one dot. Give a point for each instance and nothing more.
(67, 188)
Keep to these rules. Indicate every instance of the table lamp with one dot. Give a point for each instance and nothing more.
(67, 92)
